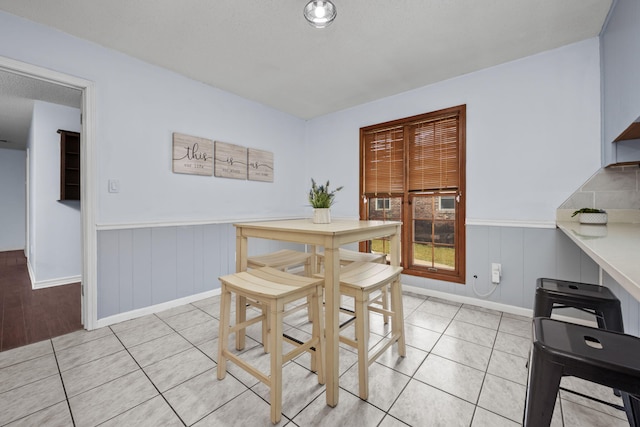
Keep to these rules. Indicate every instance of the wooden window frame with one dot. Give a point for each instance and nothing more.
(457, 275)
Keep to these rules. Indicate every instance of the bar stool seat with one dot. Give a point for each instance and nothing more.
(360, 280)
(272, 289)
(283, 259)
(348, 256)
(597, 355)
(594, 299)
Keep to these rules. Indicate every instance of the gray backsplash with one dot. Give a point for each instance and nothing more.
(615, 187)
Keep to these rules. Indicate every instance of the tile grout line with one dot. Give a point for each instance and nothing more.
(64, 388)
(152, 383)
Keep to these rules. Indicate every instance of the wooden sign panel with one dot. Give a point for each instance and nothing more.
(192, 155)
(230, 161)
(260, 165)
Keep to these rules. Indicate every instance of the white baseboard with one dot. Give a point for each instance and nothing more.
(505, 308)
(511, 309)
(42, 284)
(54, 282)
(121, 317)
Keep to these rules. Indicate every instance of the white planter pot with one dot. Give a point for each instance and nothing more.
(322, 216)
(593, 218)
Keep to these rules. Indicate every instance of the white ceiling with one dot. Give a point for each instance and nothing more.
(265, 51)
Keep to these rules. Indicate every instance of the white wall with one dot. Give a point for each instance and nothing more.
(55, 235)
(533, 136)
(12, 194)
(138, 106)
(533, 133)
(620, 68)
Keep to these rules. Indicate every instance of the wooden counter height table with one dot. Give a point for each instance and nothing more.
(331, 237)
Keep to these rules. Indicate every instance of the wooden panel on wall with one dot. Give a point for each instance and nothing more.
(630, 306)
(125, 264)
(198, 263)
(568, 259)
(141, 267)
(539, 255)
(478, 260)
(192, 155)
(138, 268)
(230, 161)
(142, 286)
(108, 275)
(186, 259)
(163, 264)
(260, 166)
(512, 283)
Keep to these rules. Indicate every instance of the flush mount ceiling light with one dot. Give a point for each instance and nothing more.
(320, 13)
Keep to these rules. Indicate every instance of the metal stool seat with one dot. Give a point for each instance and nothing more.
(597, 300)
(597, 355)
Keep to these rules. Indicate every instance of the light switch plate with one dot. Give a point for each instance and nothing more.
(114, 186)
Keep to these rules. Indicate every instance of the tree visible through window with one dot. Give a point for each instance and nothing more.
(413, 170)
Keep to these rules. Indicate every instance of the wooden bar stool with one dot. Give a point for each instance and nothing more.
(348, 256)
(273, 289)
(284, 260)
(597, 355)
(360, 280)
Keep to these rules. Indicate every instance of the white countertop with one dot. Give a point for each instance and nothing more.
(615, 247)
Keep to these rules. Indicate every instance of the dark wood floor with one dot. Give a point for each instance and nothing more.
(28, 316)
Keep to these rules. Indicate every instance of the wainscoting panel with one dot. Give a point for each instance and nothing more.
(539, 254)
(630, 306)
(143, 267)
(525, 254)
(125, 266)
(513, 283)
(164, 264)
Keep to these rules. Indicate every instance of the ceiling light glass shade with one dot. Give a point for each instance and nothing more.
(320, 13)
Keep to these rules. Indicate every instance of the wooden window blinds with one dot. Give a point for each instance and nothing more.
(428, 146)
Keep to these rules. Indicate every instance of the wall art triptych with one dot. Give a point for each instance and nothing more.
(200, 156)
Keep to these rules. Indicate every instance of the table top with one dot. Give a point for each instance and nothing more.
(615, 247)
(336, 227)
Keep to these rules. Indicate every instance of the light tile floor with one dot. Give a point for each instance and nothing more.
(465, 366)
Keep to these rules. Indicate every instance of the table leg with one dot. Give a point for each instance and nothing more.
(394, 247)
(332, 323)
(241, 302)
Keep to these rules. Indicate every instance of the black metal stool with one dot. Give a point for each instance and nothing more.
(596, 355)
(593, 299)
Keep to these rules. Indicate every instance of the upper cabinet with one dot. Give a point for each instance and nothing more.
(632, 132)
(69, 165)
(620, 49)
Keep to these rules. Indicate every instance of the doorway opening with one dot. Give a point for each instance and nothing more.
(88, 251)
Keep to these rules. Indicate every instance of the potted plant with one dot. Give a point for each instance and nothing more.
(591, 216)
(321, 199)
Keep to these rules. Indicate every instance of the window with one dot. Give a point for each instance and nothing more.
(382, 204)
(413, 170)
(446, 203)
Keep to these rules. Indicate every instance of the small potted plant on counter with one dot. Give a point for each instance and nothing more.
(591, 216)
(321, 199)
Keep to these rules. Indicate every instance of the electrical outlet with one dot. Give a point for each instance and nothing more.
(496, 272)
